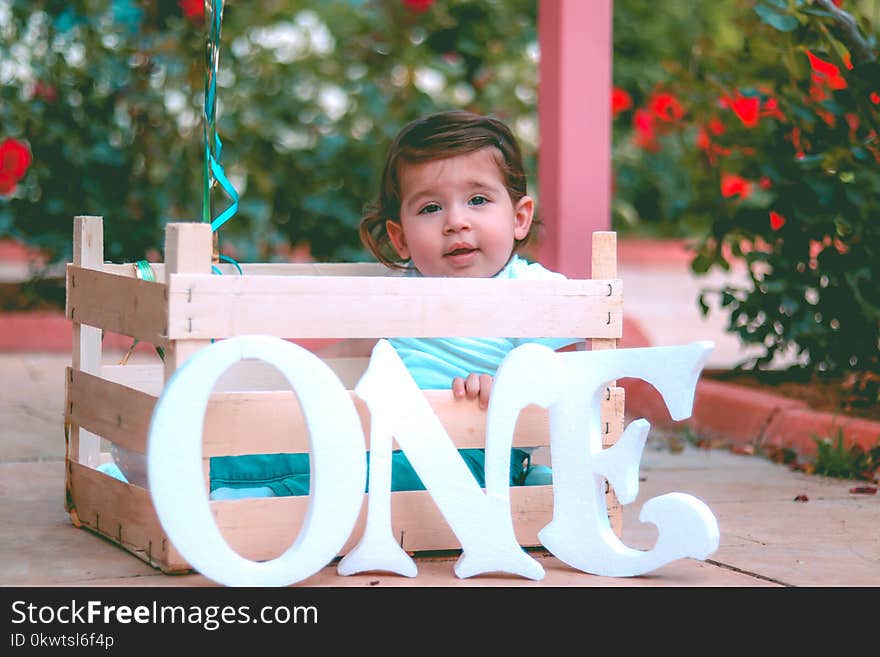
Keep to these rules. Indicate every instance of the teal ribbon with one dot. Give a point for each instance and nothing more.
(226, 258)
(214, 171)
(144, 271)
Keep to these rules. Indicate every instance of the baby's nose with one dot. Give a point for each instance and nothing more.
(456, 220)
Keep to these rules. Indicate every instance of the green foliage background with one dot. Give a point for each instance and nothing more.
(310, 93)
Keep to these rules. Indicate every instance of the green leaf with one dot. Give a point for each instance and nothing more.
(701, 264)
(704, 307)
(776, 18)
(810, 162)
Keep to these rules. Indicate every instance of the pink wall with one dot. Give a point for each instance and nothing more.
(574, 113)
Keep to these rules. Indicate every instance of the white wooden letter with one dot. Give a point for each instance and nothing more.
(338, 463)
(481, 522)
(580, 533)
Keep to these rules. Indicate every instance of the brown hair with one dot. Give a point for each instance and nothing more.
(433, 137)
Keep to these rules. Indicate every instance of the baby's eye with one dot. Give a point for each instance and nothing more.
(478, 200)
(429, 208)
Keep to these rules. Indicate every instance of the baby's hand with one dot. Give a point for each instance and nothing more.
(474, 386)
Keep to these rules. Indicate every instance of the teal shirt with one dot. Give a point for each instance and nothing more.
(434, 362)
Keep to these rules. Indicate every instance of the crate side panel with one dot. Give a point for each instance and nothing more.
(116, 412)
(121, 304)
(262, 529)
(202, 307)
(272, 422)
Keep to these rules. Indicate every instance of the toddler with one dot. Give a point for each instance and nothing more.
(452, 202)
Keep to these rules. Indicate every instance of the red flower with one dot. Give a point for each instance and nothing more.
(746, 109)
(194, 10)
(703, 141)
(733, 185)
(777, 221)
(15, 158)
(771, 108)
(666, 107)
(645, 134)
(716, 127)
(418, 6)
(765, 183)
(826, 73)
(46, 92)
(620, 101)
(826, 116)
(795, 137)
(853, 121)
(875, 98)
(818, 93)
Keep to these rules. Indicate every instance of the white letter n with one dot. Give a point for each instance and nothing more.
(481, 522)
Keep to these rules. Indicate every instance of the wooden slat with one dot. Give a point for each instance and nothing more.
(188, 250)
(122, 513)
(420, 526)
(129, 269)
(604, 266)
(263, 528)
(118, 413)
(331, 307)
(88, 252)
(230, 425)
(613, 419)
(146, 377)
(246, 375)
(272, 422)
(121, 304)
(272, 269)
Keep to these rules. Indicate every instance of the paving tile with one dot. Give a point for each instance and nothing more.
(815, 564)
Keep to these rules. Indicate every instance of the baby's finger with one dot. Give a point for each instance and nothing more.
(472, 386)
(458, 387)
(485, 390)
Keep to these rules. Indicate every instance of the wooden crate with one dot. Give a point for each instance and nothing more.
(256, 412)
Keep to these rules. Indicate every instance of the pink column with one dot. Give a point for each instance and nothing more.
(574, 112)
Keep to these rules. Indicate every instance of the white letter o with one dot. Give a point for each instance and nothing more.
(176, 480)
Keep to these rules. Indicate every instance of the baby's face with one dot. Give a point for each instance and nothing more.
(456, 216)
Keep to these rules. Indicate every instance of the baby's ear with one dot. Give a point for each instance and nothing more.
(524, 211)
(398, 239)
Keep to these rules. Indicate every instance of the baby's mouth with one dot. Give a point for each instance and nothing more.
(462, 250)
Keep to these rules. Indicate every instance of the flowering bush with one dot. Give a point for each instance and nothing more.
(15, 158)
(770, 151)
(752, 123)
(108, 97)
